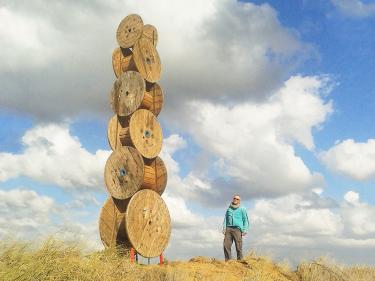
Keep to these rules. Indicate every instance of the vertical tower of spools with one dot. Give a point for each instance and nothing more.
(135, 215)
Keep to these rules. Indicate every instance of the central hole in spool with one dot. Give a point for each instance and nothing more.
(129, 30)
(149, 222)
(122, 172)
(147, 133)
(127, 93)
(148, 60)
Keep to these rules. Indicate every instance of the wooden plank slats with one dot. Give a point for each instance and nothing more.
(148, 223)
(147, 60)
(112, 223)
(129, 30)
(145, 133)
(124, 171)
(127, 93)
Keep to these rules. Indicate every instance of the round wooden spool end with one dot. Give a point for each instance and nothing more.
(124, 172)
(112, 223)
(153, 99)
(122, 61)
(148, 223)
(147, 60)
(127, 93)
(150, 32)
(145, 133)
(115, 125)
(155, 177)
(129, 30)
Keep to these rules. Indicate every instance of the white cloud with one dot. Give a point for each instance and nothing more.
(242, 47)
(355, 8)
(51, 154)
(297, 227)
(253, 142)
(27, 215)
(24, 212)
(359, 217)
(352, 159)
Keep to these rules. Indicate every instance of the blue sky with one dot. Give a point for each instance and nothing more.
(270, 99)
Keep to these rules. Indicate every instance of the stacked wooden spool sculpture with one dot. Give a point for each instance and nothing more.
(135, 216)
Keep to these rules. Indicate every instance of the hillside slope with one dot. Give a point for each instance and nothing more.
(55, 260)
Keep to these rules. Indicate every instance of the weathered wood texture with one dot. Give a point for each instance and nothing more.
(122, 61)
(145, 133)
(148, 224)
(124, 172)
(127, 93)
(153, 99)
(112, 223)
(129, 30)
(115, 125)
(147, 60)
(150, 33)
(155, 177)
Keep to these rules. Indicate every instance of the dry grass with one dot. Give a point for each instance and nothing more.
(54, 260)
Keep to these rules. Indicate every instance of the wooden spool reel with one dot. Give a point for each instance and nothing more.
(153, 99)
(144, 133)
(115, 125)
(112, 223)
(155, 177)
(147, 60)
(150, 33)
(123, 172)
(122, 61)
(129, 30)
(147, 223)
(127, 93)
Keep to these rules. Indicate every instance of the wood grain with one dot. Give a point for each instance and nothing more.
(148, 223)
(145, 133)
(124, 172)
(155, 177)
(153, 99)
(122, 61)
(112, 223)
(115, 125)
(147, 60)
(127, 93)
(129, 30)
(150, 32)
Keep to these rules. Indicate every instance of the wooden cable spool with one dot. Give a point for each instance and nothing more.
(150, 33)
(129, 30)
(122, 61)
(124, 172)
(153, 99)
(112, 223)
(144, 133)
(147, 60)
(115, 125)
(127, 93)
(155, 177)
(147, 223)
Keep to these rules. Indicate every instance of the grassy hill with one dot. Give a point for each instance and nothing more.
(54, 260)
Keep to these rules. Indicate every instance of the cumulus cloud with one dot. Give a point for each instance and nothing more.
(286, 228)
(355, 8)
(23, 212)
(254, 142)
(294, 226)
(52, 155)
(27, 215)
(57, 57)
(352, 159)
(359, 216)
